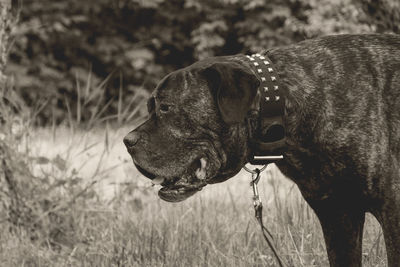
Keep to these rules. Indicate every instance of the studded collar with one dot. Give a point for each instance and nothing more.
(268, 142)
(272, 100)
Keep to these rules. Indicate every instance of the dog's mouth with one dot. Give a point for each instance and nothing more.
(179, 188)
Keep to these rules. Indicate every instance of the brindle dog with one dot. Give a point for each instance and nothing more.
(342, 121)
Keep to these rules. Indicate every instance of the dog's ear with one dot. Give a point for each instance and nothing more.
(234, 87)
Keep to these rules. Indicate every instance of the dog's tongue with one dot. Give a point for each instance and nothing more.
(201, 172)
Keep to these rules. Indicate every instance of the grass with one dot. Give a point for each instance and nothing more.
(124, 223)
(71, 196)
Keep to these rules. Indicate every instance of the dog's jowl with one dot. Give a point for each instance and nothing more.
(342, 132)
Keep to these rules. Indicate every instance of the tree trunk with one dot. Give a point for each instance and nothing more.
(385, 14)
(5, 30)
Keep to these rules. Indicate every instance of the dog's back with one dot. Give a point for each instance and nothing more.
(344, 103)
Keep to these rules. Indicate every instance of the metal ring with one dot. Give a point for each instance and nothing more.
(253, 171)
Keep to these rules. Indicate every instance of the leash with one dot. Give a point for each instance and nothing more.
(255, 178)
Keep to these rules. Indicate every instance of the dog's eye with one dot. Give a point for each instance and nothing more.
(164, 108)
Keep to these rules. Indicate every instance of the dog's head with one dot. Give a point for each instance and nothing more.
(196, 132)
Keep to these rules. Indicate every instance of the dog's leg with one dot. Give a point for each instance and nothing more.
(387, 210)
(389, 218)
(343, 235)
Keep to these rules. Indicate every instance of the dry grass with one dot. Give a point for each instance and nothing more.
(71, 196)
(123, 223)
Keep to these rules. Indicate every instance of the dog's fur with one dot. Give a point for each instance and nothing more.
(342, 120)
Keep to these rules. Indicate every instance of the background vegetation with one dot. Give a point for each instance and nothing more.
(59, 46)
(75, 83)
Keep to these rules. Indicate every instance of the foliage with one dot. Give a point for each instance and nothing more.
(385, 14)
(131, 44)
(36, 203)
(42, 196)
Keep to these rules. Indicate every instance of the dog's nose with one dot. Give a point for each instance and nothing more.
(131, 139)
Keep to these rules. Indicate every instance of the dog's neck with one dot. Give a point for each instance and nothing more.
(265, 119)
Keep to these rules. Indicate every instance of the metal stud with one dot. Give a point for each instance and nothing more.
(259, 70)
(262, 58)
(263, 79)
(251, 58)
(266, 62)
(273, 78)
(265, 89)
(248, 56)
(277, 98)
(256, 64)
(270, 70)
(267, 98)
(257, 55)
(276, 87)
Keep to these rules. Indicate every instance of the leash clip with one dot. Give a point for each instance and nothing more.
(256, 196)
(255, 178)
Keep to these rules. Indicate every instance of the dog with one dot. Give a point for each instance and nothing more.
(342, 132)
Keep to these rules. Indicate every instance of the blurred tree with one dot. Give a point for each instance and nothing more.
(5, 29)
(333, 17)
(62, 47)
(385, 14)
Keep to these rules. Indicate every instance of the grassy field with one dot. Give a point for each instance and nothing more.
(109, 215)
